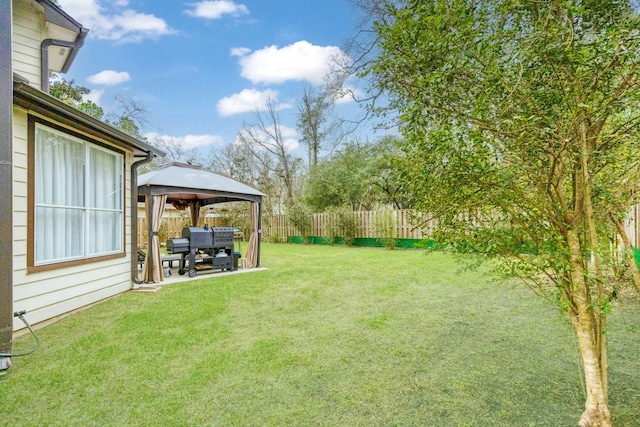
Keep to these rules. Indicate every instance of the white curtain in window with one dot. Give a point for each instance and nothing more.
(78, 198)
(59, 189)
(105, 202)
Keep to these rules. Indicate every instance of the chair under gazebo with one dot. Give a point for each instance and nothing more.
(190, 185)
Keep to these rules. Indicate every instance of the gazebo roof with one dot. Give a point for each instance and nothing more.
(181, 181)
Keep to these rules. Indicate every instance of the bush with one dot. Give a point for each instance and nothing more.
(301, 218)
(348, 225)
(385, 224)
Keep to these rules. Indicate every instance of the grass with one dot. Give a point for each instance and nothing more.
(327, 336)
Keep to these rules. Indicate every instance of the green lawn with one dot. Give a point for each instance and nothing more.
(326, 336)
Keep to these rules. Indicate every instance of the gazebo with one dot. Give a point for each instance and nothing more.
(186, 184)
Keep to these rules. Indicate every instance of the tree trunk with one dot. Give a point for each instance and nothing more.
(596, 413)
(584, 320)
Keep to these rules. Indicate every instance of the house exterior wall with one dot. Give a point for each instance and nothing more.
(28, 33)
(49, 294)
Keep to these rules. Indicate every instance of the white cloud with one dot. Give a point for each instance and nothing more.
(186, 142)
(248, 100)
(240, 51)
(198, 141)
(120, 24)
(298, 61)
(216, 9)
(109, 77)
(289, 137)
(94, 96)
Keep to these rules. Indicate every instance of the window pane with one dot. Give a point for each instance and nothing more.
(59, 169)
(105, 181)
(79, 198)
(58, 234)
(105, 232)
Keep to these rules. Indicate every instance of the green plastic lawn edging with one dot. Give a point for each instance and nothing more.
(369, 242)
(636, 255)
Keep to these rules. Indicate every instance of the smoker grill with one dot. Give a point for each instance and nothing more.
(205, 249)
(177, 246)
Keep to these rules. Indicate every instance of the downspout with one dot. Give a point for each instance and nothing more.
(6, 185)
(44, 56)
(134, 217)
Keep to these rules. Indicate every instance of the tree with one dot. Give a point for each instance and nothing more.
(269, 146)
(521, 121)
(344, 180)
(315, 122)
(174, 147)
(67, 90)
(132, 115)
(386, 177)
(358, 176)
(235, 160)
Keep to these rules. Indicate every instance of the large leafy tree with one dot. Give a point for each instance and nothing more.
(344, 180)
(521, 125)
(359, 176)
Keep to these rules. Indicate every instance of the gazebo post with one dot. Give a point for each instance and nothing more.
(149, 257)
(259, 232)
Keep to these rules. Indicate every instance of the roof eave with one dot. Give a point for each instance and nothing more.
(57, 16)
(32, 99)
(73, 52)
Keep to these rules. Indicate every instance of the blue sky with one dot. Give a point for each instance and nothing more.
(202, 68)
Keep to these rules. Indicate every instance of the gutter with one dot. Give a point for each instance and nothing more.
(134, 218)
(32, 99)
(44, 56)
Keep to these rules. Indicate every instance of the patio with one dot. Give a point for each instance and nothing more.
(170, 267)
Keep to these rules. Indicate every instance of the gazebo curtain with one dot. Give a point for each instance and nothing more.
(252, 254)
(152, 270)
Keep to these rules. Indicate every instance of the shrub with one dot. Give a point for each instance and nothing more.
(347, 225)
(301, 218)
(385, 225)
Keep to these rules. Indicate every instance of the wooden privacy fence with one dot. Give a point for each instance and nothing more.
(397, 224)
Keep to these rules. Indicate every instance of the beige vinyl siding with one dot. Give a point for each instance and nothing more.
(49, 294)
(27, 37)
(19, 172)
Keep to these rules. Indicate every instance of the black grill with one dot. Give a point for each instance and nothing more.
(176, 246)
(222, 236)
(206, 249)
(199, 238)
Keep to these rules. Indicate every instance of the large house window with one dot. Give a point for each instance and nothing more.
(79, 200)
